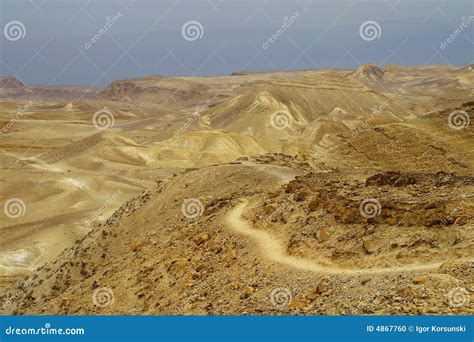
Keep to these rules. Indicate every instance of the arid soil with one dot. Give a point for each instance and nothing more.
(307, 192)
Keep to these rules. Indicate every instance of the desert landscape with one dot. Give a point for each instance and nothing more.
(311, 192)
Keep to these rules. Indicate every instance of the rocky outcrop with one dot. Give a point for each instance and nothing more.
(370, 71)
(11, 83)
(12, 88)
(128, 88)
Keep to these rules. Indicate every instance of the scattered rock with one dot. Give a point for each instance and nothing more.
(448, 237)
(372, 244)
(201, 238)
(322, 235)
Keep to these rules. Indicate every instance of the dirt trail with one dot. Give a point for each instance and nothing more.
(273, 249)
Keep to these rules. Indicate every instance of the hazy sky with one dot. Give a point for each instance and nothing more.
(55, 44)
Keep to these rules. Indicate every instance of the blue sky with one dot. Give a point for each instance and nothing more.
(146, 37)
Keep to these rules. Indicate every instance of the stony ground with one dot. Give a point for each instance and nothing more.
(149, 258)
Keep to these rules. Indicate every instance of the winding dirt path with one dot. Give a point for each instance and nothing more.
(273, 249)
